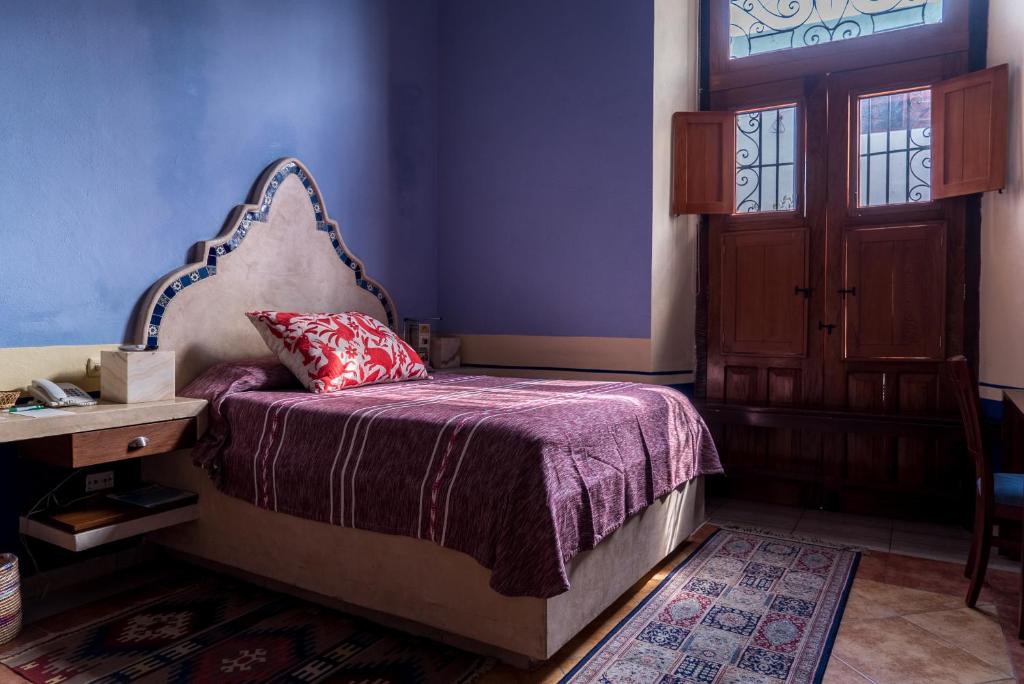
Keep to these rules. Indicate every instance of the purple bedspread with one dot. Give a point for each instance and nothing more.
(522, 475)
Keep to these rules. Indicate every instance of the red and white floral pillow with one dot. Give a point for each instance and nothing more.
(332, 351)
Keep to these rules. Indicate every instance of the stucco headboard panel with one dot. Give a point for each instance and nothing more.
(281, 251)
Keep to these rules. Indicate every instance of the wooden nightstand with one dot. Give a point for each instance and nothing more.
(106, 433)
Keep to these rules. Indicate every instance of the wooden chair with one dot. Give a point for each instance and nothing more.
(999, 496)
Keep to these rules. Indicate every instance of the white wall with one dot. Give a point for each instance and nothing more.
(1002, 227)
(674, 240)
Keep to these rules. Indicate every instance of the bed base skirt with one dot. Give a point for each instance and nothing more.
(414, 584)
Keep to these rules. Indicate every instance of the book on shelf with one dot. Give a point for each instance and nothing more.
(119, 507)
(153, 496)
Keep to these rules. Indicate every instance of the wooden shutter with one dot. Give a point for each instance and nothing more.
(763, 310)
(895, 292)
(703, 166)
(969, 129)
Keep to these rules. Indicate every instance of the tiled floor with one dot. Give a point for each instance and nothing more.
(922, 540)
(905, 621)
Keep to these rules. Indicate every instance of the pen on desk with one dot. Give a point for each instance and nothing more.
(20, 409)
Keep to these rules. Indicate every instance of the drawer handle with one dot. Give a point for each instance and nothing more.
(138, 443)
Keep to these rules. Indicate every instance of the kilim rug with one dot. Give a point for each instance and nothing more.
(742, 609)
(217, 630)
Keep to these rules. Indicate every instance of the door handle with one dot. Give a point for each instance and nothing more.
(805, 291)
(847, 291)
(830, 327)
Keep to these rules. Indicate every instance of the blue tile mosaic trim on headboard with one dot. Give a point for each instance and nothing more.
(247, 223)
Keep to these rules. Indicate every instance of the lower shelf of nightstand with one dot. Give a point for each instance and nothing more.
(80, 541)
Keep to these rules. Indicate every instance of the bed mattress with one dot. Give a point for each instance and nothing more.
(520, 474)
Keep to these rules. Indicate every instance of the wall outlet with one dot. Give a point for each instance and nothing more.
(101, 480)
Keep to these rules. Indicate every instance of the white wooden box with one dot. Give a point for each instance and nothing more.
(444, 351)
(133, 377)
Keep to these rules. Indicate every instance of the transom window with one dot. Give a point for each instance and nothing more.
(760, 26)
(895, 148)
(766, 160)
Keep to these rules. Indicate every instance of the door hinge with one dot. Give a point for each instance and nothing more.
(847, 291)
(830, 327)
(805, 291)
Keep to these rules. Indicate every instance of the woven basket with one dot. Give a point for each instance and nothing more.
(10, 598)
(8, 397)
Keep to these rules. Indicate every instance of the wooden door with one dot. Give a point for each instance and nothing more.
(895, 288)
(892, 134)
(765, 284)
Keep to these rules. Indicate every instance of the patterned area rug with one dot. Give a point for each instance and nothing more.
(743, 609)
(216, 630)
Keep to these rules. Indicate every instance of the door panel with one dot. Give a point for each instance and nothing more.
(918, 393)
(784, 386)
(865, 391)
(867, 458)
(764, 312)
(894, 292)
(741, 384)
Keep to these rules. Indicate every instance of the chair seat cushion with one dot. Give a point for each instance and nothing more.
(1009, 489)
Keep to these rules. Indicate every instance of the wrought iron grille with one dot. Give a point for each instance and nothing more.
(759, 26)
(765, 160)
(895, 148)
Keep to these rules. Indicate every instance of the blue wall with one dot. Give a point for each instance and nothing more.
(545, 158)
(129, 129)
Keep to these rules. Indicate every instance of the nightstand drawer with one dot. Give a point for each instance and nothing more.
(115, 444)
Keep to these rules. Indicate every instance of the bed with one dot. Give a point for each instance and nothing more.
(498, 514)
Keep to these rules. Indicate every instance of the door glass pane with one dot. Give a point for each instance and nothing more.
(759, 26)
(766, 160)
(895, 148)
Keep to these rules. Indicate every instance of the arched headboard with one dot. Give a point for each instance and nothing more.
(280, 251)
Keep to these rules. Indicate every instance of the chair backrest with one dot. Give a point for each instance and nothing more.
(967, 399)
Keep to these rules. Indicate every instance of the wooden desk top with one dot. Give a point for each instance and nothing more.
(1016, 397)
(15, 428)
